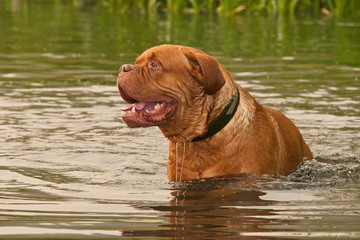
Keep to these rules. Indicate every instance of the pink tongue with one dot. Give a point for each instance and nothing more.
(127, 108)
(140, 106)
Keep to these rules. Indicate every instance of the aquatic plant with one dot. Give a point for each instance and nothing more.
(340, 8)
(231, 7)
(346, 7)
(176, 5)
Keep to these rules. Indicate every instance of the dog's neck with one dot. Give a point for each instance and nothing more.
(223, 118)
(209, 118)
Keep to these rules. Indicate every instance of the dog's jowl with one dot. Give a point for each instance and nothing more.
(215, 127)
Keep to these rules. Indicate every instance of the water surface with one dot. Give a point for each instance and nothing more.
(70, 168)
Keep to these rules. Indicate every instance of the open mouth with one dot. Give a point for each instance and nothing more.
(146, 114)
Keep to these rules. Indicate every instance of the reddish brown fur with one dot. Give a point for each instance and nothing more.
(258, 139)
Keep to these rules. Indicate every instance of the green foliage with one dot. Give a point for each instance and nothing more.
(231, 7)
(346, 7)
(338, 8)
(197, 5)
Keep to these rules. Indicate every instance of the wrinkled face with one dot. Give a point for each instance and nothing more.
(164, 83)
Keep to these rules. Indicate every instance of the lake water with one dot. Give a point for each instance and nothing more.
(71, 169)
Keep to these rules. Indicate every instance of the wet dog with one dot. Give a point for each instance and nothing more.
(215, 127)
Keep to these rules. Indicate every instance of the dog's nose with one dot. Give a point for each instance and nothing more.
(126, 68)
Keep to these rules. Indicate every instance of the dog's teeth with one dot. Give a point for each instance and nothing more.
(157, 106)
(147, 110)
(133, 109)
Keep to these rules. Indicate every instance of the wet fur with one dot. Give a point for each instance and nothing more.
(258, 139)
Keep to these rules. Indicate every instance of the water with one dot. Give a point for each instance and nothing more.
(71, 169)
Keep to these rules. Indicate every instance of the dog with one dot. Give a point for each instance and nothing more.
(214, 126)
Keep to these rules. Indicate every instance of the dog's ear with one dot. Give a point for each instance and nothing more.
(205, 69)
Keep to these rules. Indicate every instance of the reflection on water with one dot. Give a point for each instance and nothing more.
(215, 213)
(70, 168)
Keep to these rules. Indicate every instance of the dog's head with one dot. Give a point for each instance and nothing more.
(169, 86)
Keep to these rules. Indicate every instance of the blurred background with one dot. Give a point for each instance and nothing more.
(70, 168)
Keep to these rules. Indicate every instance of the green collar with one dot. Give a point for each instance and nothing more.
(220, 121)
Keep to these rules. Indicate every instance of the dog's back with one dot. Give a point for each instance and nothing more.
(295, 147)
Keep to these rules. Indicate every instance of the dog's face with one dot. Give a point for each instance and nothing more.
(168, 85)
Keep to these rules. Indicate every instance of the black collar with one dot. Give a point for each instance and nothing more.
(220, 121)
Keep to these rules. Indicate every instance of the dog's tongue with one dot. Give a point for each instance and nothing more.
(139, 106)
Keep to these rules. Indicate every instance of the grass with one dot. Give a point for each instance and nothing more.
(338, 8)
(288, 7)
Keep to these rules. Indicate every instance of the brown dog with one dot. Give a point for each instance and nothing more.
(215, 127)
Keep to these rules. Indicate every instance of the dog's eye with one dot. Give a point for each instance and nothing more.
(154, 65)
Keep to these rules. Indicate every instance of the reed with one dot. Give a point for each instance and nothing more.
(339, 8)
(231, 7)
(176, 5)
(347, 7)
(152, 5)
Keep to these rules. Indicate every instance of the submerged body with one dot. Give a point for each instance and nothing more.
(182, 90)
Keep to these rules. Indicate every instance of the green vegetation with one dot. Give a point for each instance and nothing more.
(339, 8)
(231, 7)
